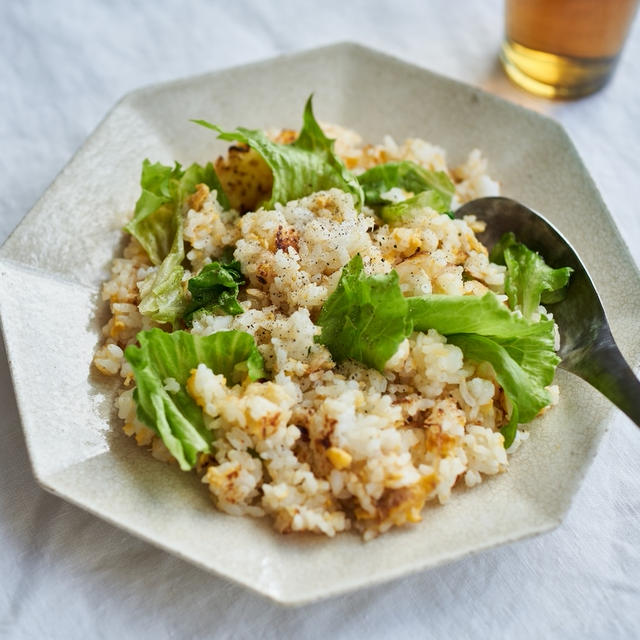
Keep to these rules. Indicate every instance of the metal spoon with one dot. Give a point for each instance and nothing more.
(587, 347)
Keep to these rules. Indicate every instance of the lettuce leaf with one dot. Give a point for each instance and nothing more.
(154, 223)
(157, 224)
(175, 416)
(521, 352)
(530, 344)
(299, 169)
(365, 318)
(510, 376)
(215, 289)
(484, 315)
(529, 280)
(402, 212)
(162, 295)
(407, 176)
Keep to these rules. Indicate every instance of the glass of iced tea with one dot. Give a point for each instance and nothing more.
(564, 48)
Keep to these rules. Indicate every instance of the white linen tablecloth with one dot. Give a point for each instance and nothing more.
(66, 574)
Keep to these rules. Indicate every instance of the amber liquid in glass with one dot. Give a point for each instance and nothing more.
(564, 48)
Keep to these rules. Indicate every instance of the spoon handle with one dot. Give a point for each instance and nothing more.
(604, 368)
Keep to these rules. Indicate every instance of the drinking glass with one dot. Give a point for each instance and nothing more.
(564, 48)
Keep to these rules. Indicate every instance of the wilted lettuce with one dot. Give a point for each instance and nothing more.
(154, 223)
(215, 290)
(175, 416)
(365, 318)
(405, 175)
(299, 169)
(161, 293)
(157, 224)
(529, 280)
(404, 211)
(521, 352)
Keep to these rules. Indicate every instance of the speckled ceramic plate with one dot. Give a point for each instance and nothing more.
(52, 266)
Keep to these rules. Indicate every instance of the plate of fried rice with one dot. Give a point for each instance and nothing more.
(330, 380)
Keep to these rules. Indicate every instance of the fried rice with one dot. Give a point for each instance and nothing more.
(326, 447)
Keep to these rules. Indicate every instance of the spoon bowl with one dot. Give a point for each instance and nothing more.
(587, 347)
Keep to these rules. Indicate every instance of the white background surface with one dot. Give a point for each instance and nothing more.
(66, 574)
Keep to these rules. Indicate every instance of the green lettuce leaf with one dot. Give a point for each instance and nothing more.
(162, 295)
(215, 290)
(484, 315)
(157, 224)
(154, 223)
(510, 376)
(175, 416)
(530, 344)
(365, 318)
(521, 352)
(529, 280)
(403, 212)
(407, 176)
(299, 169)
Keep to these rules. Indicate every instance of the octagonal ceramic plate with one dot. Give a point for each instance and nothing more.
(52, 266)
